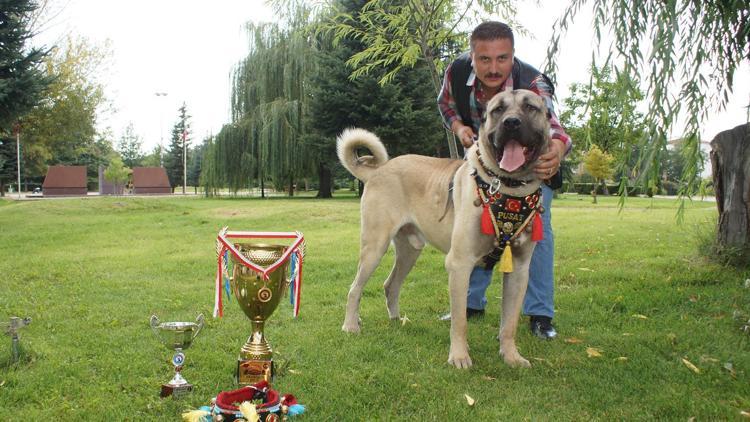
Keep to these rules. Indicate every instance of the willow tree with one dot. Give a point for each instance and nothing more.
(684, 52)
(263, 140)
(399, 34)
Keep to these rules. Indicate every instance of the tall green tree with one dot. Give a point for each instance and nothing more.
(195, 163)
(695, 48)
(8, 162)
(595, 114)
(22, 77)
(402, 113)
(129, 146)
(264, 140)
(399, 34)
(62, 128)
(179, 145)
(153, 158)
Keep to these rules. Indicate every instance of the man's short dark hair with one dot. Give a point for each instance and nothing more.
(489, 31)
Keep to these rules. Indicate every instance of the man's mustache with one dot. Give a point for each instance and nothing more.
(493, 75)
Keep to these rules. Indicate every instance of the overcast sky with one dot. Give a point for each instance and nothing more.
(187, 49)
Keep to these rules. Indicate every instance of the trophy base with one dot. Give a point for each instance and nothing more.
(176, 391)
(251, 371)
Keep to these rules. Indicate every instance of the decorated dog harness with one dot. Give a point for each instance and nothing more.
(506, 216)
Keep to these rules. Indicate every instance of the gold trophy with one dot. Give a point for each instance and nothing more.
(258, 282)
(177, 336)
(258, 298)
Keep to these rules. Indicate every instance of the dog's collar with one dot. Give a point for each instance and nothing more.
(272, 409)
(497, 180)
(506, 216)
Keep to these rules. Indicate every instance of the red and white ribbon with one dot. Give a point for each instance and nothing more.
(223, 245)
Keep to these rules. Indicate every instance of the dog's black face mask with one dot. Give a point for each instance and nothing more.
(517, 128)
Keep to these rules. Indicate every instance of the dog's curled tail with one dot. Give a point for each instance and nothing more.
(362, 167)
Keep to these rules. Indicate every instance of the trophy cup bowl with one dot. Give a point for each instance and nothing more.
(177, 336)
(258, 298)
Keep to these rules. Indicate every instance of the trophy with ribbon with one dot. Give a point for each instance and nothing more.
(177, 336)
(258, 280)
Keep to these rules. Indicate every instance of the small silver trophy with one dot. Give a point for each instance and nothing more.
(177, 336)
(13, 326)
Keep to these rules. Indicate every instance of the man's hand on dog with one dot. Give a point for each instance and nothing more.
(464, 133)
(549, 162)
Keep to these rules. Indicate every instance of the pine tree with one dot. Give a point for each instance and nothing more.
(403, 113)
(179, 144)
(129, 147)
(22, 80)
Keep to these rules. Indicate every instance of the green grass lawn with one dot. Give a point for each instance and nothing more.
(630, 285)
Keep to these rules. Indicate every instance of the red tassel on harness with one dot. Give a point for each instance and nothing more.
(487, 227)
(537, 229)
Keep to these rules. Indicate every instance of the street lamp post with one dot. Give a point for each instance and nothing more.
(184, 160)
(161, 129)
(17, 129)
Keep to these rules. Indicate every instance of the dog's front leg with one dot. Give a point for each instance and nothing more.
(514, 290)
(458, 285)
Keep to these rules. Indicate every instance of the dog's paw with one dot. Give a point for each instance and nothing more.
(460, 361)
(515, 360)
(351, 328)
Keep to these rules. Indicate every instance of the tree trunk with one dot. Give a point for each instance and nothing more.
(325, 181)
(730, 161)
(291, 186)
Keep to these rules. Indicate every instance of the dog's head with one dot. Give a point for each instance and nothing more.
(515, 131)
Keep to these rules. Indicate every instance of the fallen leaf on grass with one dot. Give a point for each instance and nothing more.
(415, 385)
(404, 320)
(545, 361)
(727, 366)
(709, 359)
(622, 359)
(469, 400)
(573, 340)
(2, 383)
(489, 378)
(693, 298)
(691, 366)
(585, 269)
(745, 414)
(747, 283)
(293, 371)
(593, 352)
(672, 337)
(640, 316)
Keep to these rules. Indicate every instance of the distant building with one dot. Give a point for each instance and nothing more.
(65, 181)
(148, 180)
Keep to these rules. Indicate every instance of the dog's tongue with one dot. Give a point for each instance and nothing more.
(513, 156)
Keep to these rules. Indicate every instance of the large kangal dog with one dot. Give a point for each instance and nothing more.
(407, 201)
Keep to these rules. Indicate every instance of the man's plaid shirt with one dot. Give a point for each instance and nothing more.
(477, 104)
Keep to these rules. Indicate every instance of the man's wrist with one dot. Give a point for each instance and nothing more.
(560, 147)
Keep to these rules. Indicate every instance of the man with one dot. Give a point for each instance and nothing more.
(469, 83)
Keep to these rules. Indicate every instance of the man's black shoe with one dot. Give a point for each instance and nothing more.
(541, 326)
(470, 313)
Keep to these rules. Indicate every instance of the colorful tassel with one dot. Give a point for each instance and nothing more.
(506, 261)
(537, 229)
(225, 274)
(249, 412)
(296, 409)
(196, 416)
(487, 226)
